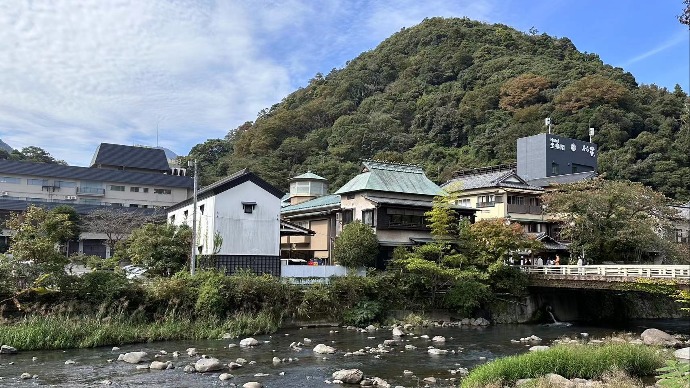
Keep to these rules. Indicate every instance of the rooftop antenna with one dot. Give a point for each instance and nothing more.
(547, 122)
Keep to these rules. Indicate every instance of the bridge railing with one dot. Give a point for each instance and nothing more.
(642, 271)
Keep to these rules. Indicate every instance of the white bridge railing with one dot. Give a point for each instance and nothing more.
(642, 271)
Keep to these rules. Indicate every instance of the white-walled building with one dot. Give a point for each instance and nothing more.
(244, 210)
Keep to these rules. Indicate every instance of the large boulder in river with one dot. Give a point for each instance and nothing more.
(208, 365)
(158, 365)
(7, 349)
(134, 357)
(323, 349)
(397, 332)
(252, 384)
(349, 376)
(247, 342)
(658, 337)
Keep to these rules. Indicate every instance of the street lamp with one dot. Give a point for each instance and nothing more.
(192, 265)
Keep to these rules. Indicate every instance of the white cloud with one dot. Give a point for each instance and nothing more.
(680, 37)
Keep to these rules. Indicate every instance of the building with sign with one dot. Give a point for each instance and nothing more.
(547, 155)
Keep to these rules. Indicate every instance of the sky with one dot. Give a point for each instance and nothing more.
(176, 73)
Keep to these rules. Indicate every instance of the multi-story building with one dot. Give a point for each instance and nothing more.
(119, 176)
(391, 198)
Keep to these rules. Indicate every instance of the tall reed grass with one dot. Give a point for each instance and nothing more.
(569, 361)
(63, 332)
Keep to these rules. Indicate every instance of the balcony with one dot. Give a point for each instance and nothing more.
(91, 191)
(486, 204)
(524, 209)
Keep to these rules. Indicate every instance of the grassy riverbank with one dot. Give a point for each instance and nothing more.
(569, 361)
(63, 332)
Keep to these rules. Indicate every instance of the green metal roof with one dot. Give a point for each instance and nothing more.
(308, 175)
(389, 177)
(319, 202)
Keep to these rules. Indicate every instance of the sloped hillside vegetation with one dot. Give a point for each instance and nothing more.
(452, 94)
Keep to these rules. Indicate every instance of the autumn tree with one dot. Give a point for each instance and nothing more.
(523, 91)
(612, 220)
(116, 224)
(591, 91)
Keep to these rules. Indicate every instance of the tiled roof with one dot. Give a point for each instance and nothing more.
(48, 170)
(227, 183)
(561, 179)
(130, 157)
(488, 179)
(331, 200)
(388, 177)
(308, 175)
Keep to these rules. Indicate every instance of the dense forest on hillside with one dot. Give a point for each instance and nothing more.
(452, 94)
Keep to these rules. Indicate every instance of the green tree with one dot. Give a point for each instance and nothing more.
(35, 154)
(612, 220)
(357, 246)
(161, 248)
(35, 235)
(57, 228)
(493, 241)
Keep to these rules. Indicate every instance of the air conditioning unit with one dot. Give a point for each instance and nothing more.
(71, 197)
(5, 193)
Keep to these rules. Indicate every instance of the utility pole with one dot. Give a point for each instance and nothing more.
(192, 266)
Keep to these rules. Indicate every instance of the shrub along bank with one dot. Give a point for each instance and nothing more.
(104, 308)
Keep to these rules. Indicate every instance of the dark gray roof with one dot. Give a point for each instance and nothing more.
(227, 183)
(18, 205)
(562, 179)
(498, 178)
(119, 155)
(14, 167)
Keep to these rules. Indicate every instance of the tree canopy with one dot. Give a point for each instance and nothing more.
(452, 94)
(613, 220)
(357, 246)
(31, 154)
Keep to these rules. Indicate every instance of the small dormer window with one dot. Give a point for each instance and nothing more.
(201, 209)
(248, 207)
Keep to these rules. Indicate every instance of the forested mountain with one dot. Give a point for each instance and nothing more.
(452, 94)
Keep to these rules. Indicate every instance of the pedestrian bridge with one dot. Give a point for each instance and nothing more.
(604, 276)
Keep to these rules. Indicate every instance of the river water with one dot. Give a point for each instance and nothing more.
(473, 345)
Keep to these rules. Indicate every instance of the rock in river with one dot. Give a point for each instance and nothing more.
(134, 357)
(208, 365)
(323, 349)
(7, 349)
(252, 384)
(397, 332)
(249, 342)
(349, 376)
(683, 354)
(658, 337)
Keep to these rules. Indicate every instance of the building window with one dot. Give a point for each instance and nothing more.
(368, 217)
(116, 204)
(533, 228)
(516, 200)
(9, 179)
(248, 207)
(347, 216)
(201, 209)
(554, 169)
(91, 201)
(117, 188)
(534, 202)
(302, 224)
(406, 217)
(37, 182)
(162, 191)
(464, 202)
(186, 214)
(133, 205)
(172, 219)
(146, 189)
(134, 189)
(486, 200)
(66, 184)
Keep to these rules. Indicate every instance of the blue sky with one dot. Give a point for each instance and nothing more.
(74, 74)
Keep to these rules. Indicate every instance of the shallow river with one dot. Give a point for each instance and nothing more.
(475, 345)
